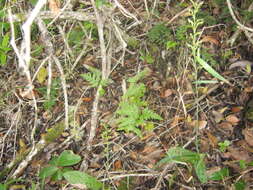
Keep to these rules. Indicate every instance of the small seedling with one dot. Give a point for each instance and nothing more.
(133, 111)
(59, 168)
(94, 78)
(224, 145)
(183, 156)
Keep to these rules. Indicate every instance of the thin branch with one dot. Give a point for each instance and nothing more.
(66, 15)
(94, 115)
(64, 87)
(243, 27)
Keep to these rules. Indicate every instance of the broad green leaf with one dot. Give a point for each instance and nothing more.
(171, 44)
(5, 41)
(68, 158)
(183, 156)
(200, 169)
(220, 175)
(179, 154)
(42, 74)
(3, 58)
(3, 186)
(210, 70)
(48, 171)
(57, 176)
(77, 177)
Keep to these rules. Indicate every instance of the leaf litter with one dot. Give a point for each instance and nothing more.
(170, 91)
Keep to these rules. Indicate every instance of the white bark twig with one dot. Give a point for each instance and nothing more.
(94, 114)
(64, 87)
(66, 15)
(24, 56)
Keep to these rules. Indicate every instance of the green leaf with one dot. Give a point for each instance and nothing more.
(210, 70)
(77, 177)
(220, 175)
(68, 158)
(57, 176)
(171, 44)
(3, 186)
(42, 74)
(180, 155)
(48, 171)
(240, 185)
(200, 169)
(243, 164)
(183, 156)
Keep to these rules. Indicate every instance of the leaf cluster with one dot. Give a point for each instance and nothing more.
(183, 156)
(133, 111)
(94, 78)
(49, 103)
(159, 34)
(59, 168)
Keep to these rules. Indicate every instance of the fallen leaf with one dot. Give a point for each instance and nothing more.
(210, 39)
(232, 119)
(202, 124)
(227, 126)
(213, 140)
(42, 74)
(27, 93)
(54, 6)
(236, 109)
(237, 153)
(242, 64)
(167, 93)
(87, 99)
(175, 121)
(217, 116)
(117, 165)
(248, 135)
(248, 89)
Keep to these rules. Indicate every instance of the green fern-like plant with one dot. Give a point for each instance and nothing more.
(133, 111)
(94, 78)
(159, 34)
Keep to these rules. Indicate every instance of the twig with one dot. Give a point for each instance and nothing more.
(65, 94)
(50, 51)
(94, 114)
(130, 175)
(24, 54)
(243, 27)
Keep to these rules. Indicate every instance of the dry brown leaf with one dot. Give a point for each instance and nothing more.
(236, 109)
(27, 94)
(245, 145)
(87, 99)
(232, 119)
(213, 140)
(248, 135)
(202, 124)
(117, 165)
(238, 154)
(167, 93)
(212, 170)
(210, 39)
(217, 116)
(175, 121)
(54, 6)
(242, 64)
(248, 89)
(226, 126)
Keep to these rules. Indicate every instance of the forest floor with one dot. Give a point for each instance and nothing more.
(137, 94)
